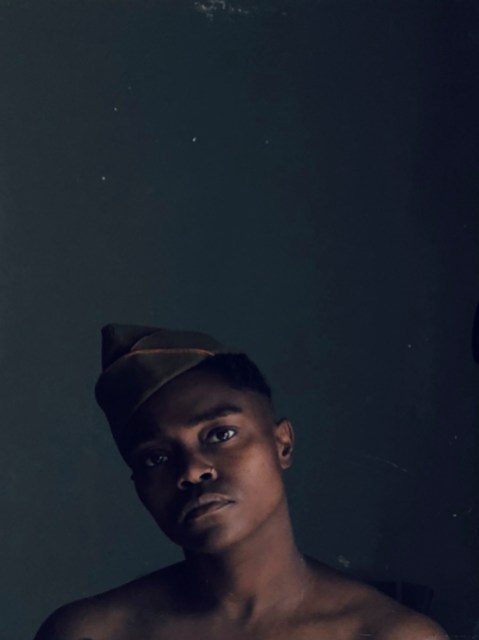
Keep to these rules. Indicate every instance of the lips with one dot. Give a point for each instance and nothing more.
(205, 504)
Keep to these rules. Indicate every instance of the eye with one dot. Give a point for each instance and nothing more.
(154, 460)
(221, 434)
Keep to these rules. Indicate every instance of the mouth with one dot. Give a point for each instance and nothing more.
(205, 505)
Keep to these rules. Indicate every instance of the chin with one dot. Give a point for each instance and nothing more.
(209, 540)
(206, 547)
(213, 541)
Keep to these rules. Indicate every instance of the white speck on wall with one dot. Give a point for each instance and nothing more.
(194, 139)
(210, 8)
(383, 460)
(409, 346)
(454, 515)
(266, 141)
(103, 178)
(344, 562)
(115, 108)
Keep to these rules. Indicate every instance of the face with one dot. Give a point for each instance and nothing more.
(207, 461)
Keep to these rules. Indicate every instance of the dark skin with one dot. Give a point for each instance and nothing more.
(207, 463)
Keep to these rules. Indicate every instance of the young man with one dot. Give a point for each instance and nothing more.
(195, 423)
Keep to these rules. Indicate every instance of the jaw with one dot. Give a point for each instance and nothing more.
(237, 539)
(249, 569)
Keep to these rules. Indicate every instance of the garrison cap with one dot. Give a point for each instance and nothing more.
(137, 361)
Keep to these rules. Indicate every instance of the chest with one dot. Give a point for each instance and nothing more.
(184, 629)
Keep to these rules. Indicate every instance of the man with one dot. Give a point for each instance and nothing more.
(195, 423)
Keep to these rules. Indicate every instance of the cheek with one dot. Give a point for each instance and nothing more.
(152, 494)
(261, 476)
(158, 506)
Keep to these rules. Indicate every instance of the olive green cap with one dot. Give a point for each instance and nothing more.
(137, 361)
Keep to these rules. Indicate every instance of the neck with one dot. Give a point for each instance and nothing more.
(253, 576)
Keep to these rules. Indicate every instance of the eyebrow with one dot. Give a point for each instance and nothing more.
(220, 411)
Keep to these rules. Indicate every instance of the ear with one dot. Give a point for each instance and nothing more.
(284, 438)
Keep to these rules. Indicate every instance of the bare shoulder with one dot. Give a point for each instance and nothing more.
(373, 614)
(106, 615)
(74, 621)
(411, 626)
(389, 620)
(393, 621)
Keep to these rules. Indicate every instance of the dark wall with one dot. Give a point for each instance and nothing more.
(298, 179)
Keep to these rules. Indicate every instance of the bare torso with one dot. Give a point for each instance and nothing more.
(161, 606)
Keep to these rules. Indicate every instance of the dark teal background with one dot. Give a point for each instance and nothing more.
(298, 179)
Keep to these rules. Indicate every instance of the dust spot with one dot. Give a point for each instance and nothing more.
(385, 461)
(344, 562)
(211, 8)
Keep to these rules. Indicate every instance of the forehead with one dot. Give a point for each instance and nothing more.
(195, 395)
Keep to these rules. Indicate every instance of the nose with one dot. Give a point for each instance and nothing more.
(195, 471)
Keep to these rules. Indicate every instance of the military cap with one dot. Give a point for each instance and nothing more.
(137, 361)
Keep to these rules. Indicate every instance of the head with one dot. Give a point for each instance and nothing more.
(195, 422)
(207, 455)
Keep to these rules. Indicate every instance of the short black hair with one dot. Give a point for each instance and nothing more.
(238, 371)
